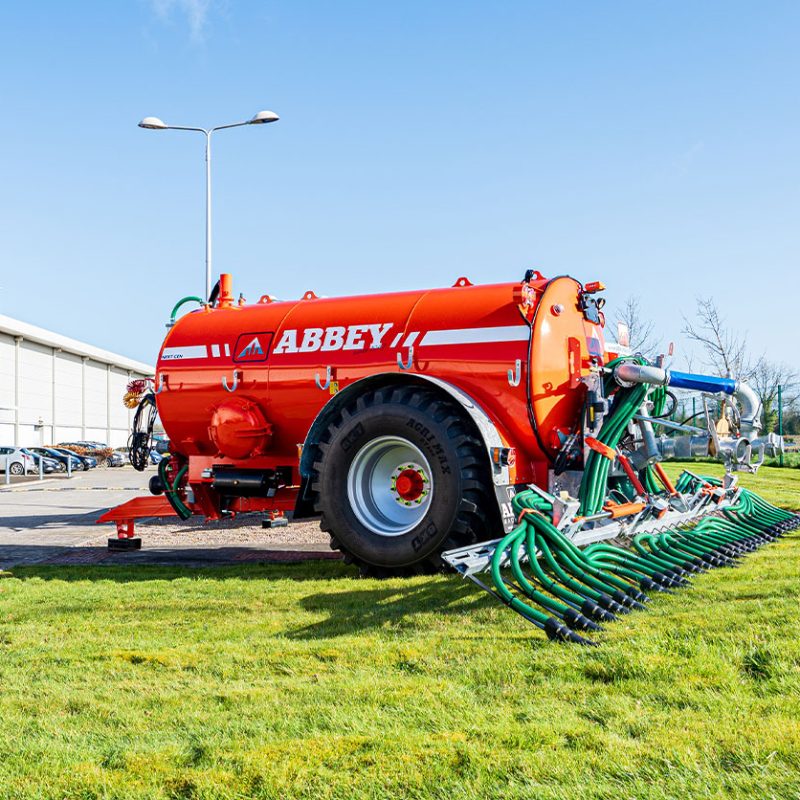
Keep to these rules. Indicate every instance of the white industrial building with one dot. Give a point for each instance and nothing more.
(55, 389)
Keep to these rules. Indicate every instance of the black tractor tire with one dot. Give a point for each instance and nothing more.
(462, 508)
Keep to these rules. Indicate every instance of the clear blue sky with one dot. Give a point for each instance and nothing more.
(651, 145)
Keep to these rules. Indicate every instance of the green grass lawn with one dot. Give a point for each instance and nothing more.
(304, 682)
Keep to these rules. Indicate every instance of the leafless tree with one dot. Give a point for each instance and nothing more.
(766, 378)
(725, 351)
(640, 329)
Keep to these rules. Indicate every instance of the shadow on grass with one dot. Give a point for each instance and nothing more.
(311, 570)
(394, 606)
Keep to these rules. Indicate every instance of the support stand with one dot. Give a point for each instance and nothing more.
(276, 519)
(125, 540)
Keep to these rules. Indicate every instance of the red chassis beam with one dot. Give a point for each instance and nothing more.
(125, 515)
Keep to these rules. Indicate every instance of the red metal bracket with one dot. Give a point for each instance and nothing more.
(595, 444)
(664, 478)
(632, 476)
(125, 515)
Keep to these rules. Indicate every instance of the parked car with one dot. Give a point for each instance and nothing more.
(49, 465)
(74, 462)
(102, 452)
(89, 462)
(159, 451)
(85, 445)
(115, 459)
(18, 461)
(123, 451)
(76, 446)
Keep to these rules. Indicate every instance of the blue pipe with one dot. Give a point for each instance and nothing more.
(701, 383)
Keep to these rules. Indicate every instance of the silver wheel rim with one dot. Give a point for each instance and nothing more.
(373, 491)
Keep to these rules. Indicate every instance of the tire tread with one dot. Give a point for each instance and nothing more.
(473, 520)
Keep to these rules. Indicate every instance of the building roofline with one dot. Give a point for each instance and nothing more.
(32, 333)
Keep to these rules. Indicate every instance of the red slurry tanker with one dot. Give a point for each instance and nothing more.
(403, 419)
(419, 425)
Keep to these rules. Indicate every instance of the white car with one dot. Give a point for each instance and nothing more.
(18, 461)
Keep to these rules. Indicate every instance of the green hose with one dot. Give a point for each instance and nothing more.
(627, 402)
(500, 585)
(171, 489)
(568, 587)
(182, 301)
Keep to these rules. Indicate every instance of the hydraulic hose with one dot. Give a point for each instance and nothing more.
(181, 302)
(567, 588)
(627, 402)
(171, 489)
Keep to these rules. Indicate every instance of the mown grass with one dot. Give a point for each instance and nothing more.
(303, 682)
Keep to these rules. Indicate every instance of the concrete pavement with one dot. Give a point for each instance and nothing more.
(53, 522)
(38, 520)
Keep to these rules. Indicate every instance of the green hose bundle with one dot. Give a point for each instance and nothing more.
(627, 402)
(563, 589)
(658, 396)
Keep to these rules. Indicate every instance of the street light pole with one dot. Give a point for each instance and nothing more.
(154, 123)
(208, 216)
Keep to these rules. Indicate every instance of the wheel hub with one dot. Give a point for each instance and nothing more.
(389, 485)
(409, 484)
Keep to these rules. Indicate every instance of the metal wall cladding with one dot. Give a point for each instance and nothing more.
(118, 381)
(61, 396)
(69, 380)
(6, 370)
(6, 389)
(36, 385)
(96, 392)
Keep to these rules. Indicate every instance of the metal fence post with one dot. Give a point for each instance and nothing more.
(8, 470)
(41, 468)
(780, 422)
(69, 466)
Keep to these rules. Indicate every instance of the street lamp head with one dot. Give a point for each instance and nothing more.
(263, 117)
(152, 123)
